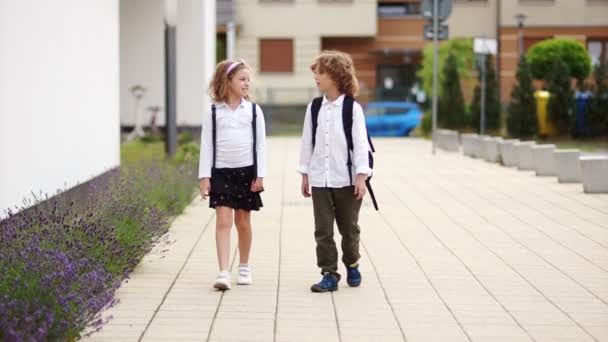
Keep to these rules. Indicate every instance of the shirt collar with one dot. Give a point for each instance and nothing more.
(242, 105)
(337, 102)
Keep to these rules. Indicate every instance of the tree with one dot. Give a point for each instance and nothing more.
(460, 48)
(596, 115)
(543, 55)
(521, 119)
(451, 103)
(492, 99)
(561, 103)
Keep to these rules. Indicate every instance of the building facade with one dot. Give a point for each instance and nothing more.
(280, 38)
(59, 89)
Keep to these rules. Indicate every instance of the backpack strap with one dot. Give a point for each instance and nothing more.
(214, 133)
(315, 108)
(347, 123)
(255, 145)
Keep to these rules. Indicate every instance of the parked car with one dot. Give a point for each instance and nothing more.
(392, 119)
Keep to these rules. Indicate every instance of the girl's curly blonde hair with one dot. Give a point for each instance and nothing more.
(339, 66)
(219, 88)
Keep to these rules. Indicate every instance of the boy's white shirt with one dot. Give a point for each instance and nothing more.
(326, 166)
(234, 139)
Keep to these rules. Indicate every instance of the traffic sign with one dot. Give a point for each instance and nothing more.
(444, 9)
(443, 32)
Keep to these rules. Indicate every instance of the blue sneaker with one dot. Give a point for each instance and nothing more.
(353, 277)
(328, 283)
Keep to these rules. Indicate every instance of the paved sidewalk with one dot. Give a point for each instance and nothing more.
(462, 250)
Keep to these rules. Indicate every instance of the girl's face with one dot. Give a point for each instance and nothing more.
(324, 82)
(239, 84)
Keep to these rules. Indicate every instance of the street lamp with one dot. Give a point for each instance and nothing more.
(170, 77)
(520, 17)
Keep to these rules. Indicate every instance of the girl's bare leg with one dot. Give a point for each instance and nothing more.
(243, 226)
(222, 236)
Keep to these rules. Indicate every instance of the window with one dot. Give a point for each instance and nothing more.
(598, 49)
(276, 55)
(398, 9)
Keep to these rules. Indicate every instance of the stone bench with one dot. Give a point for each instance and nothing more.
(567, 166)
(492, 149)
(524, 155)
(544, 161)
(508, 152)
(595, 173)
(468, 144)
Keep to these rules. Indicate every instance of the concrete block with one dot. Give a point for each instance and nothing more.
(544, 161)
(524, 155)
(508, 152)
(595, 173)
(468, 146)
(492, 149)
(567, 166)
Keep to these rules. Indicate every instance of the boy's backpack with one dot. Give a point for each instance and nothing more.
(347, 123)
(253, 125)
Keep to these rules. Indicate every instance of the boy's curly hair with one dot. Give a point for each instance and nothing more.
(218, 88)
(339, 66)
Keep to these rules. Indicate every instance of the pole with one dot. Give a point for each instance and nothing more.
(435, 62)
(482, 123)
(170, 90)
(230, 40)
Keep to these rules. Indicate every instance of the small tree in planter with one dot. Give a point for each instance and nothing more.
(451, 103)
(597, 110)
(521, 119)
(492, 99)
(543, 55)
(561, 103)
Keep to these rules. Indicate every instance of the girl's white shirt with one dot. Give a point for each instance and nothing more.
(326, 165)
(234, 139)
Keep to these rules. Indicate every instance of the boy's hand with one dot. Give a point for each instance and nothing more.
(205, 185)
(257, 185)
(305, 186)
(360, 188)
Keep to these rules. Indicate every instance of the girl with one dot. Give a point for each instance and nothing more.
(232, 164)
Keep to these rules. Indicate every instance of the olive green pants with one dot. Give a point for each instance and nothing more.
(341, 205)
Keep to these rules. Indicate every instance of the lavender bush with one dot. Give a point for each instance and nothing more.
(63, 257)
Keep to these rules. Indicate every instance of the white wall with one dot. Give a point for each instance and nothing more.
(142, 57)
(59, 121)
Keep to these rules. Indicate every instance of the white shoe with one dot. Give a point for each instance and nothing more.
(244, 275)
(222, 281)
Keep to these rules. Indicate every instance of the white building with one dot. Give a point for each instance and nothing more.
(59, 107)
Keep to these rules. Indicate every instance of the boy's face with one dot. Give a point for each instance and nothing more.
(239, 84)
(324, 82)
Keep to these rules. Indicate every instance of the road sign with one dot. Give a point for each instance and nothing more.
(443, 32)
(444, 9)
(485, 46)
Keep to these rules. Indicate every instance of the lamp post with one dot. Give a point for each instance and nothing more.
(520, 17)
(170, 77)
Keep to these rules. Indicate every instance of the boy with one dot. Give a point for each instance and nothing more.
(336, 173)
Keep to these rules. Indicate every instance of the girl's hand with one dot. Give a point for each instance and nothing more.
(305, 186)
(205, 185)
(360, 188)
(257, 185)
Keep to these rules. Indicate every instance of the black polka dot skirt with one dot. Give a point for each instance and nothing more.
(231, 187)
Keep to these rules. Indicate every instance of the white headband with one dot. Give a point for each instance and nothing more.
(234, 65)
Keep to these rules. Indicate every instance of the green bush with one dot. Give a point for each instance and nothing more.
(492, 100)
(462, 51)
(543, 55)
(521, 115)
(426, 126)
(561, 105)
(452, 110)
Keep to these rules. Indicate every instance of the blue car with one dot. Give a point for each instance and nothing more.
(392, 119)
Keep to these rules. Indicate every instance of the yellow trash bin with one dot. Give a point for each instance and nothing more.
(545, 127)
